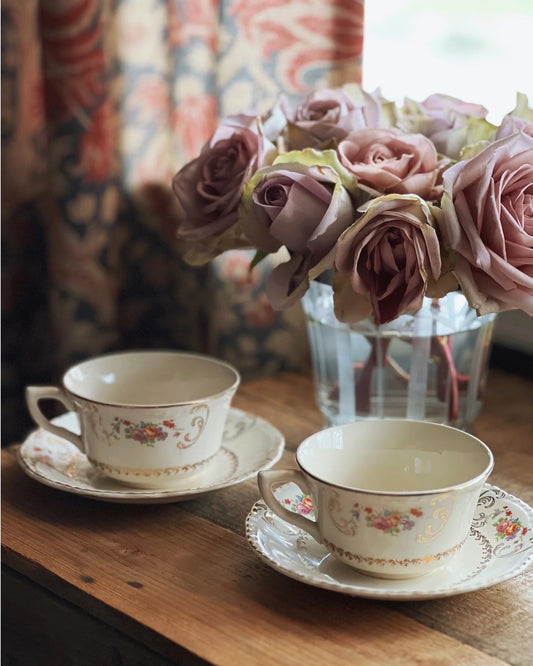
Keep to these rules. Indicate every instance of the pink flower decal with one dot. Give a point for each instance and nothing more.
(392, 522)
(144, 432)
(301, 504)
(507, 527)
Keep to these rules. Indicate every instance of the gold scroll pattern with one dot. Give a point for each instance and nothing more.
(443, 505)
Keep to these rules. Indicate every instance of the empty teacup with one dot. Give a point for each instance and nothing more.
(147, 418)
(392, 498)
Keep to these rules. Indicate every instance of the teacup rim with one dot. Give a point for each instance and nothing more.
(458, 487)
(162, 405)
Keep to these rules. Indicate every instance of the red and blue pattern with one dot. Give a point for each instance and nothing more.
(102, 102)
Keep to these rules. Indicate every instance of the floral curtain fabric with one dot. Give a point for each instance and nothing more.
(102, 102)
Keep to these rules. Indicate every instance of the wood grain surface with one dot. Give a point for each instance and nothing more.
(179, 582)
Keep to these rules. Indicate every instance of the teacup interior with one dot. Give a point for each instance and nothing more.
(395, 456)
(148, 378)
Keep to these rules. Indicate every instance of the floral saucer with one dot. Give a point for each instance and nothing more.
(249, 444)
(500, 546)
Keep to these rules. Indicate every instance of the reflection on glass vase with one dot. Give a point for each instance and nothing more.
(429, 366)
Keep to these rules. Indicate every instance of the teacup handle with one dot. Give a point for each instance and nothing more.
(266, 480)
(36, 393)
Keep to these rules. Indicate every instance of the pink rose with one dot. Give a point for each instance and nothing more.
(519, 120)
(502, 526)
(449, 109)
(389, 160)
(137, 434)
(302, 190)
(303, 508)
(386, 260)
(450, 123)
(488, 222)
(512, 124)
(381, 523)
(209, 188)
(330, 114)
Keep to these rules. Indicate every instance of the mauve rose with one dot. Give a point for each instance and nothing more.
(450, 123)
(512, 124)
(209, 188)
(330, 114)
(487, 222)
(386, 260)
(391, 161)
(300, 203)
(438, 113)
(520, 119)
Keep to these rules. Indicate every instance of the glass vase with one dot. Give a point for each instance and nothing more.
(429, 366)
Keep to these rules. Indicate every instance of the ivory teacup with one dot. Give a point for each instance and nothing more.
(392, 498)
(147, 418)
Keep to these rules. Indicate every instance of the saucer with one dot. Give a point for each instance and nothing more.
(499, 547)
(249, 444)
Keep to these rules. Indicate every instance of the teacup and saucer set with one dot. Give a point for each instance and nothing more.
(147, 427)
(391, 509)
(387, 509)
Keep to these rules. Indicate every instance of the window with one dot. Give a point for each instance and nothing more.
(478, 50)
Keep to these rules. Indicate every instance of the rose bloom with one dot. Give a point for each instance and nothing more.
(389, 160)
(330, 114)
(303, 508)
(512, 124)
(209, 188)
(487, 222)
(312, 195)
(381, 523)
(150, 431)
(394, 519)
(137, 434)
(450, 123)
(520, 119)
(386, 260)
(502, 526)
(512, 529)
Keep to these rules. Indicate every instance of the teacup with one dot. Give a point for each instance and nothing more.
(147, 418)
(392, 498)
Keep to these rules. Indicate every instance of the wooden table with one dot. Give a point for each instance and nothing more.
(85, 582)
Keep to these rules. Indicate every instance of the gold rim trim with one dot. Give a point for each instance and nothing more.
(384, 562)
(145, 473)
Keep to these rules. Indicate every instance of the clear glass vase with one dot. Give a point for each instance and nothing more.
(429, 366)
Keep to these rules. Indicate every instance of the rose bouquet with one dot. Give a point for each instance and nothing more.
(391, 202)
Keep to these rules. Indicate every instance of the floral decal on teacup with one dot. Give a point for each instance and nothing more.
(150, 433)
(390, 521)
(301, 504)
(144, 433)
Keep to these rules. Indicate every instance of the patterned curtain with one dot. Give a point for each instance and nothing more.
(102, 102)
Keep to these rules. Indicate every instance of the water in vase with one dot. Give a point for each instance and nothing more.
(431, 366)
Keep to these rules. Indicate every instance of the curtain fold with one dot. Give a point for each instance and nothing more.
(102, 102)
